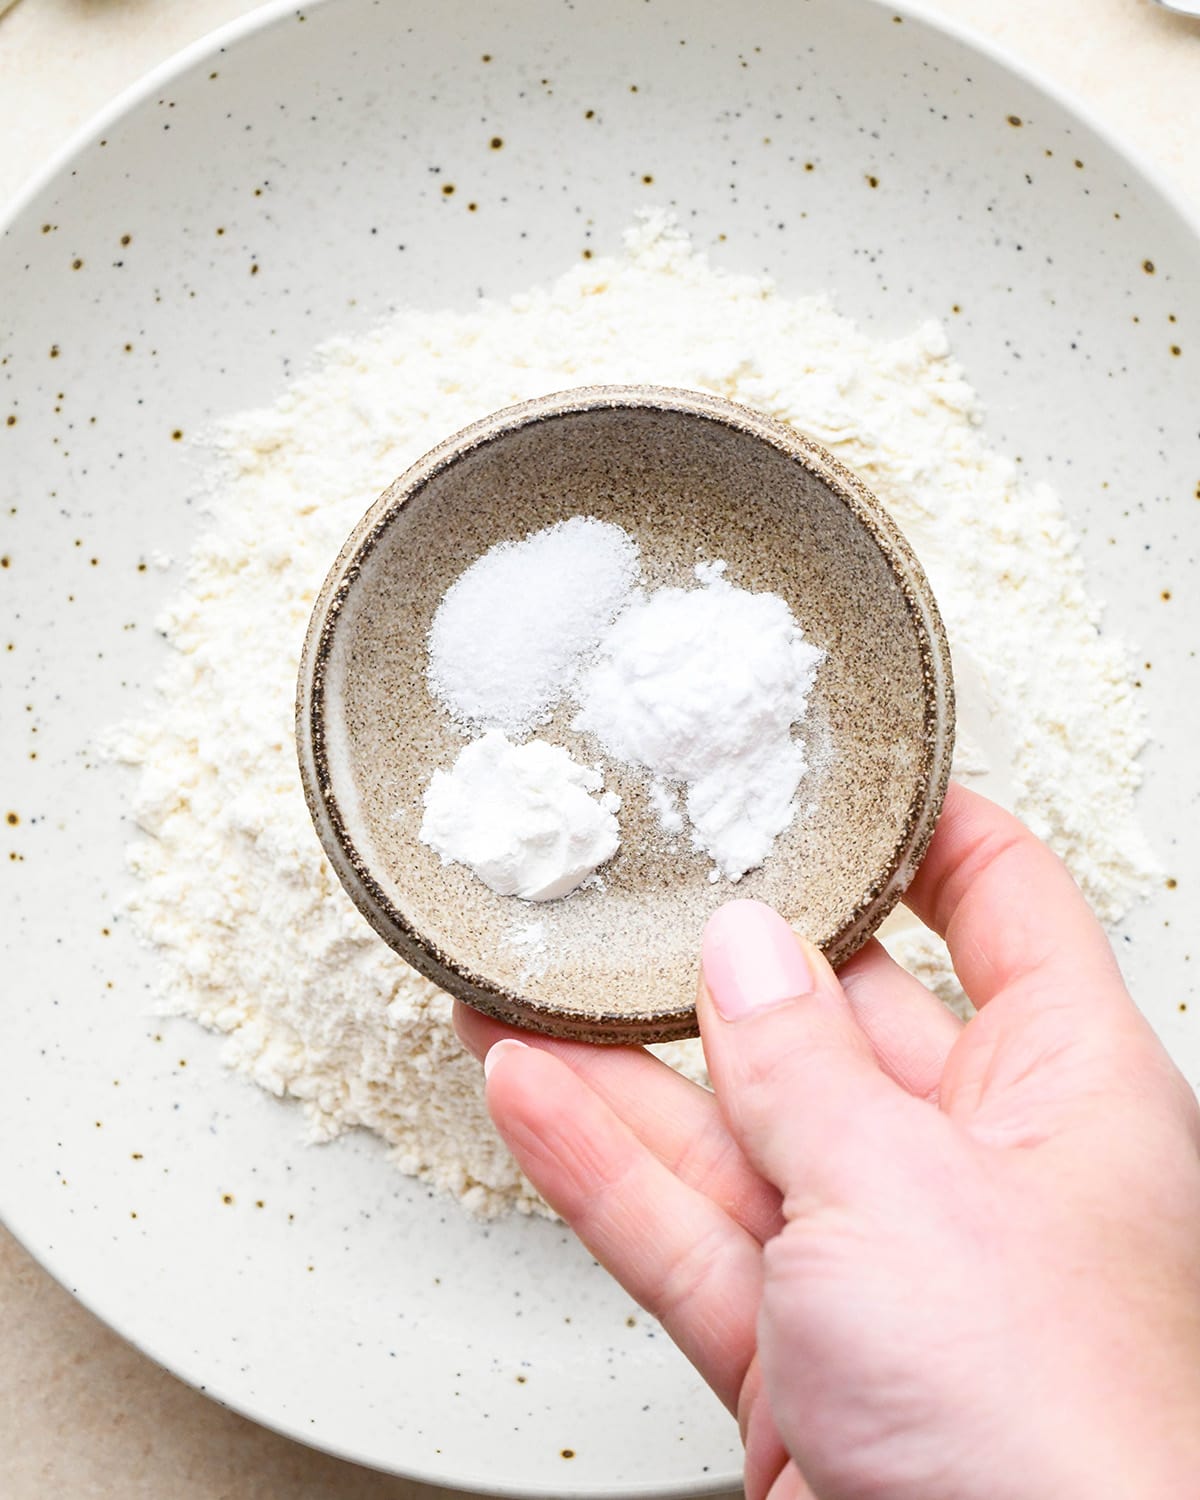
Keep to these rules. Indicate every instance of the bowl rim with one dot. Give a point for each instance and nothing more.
(887, 884)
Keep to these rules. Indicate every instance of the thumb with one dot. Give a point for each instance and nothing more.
(796, 1078)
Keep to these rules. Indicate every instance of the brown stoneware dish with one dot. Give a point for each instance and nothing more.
(691, 477)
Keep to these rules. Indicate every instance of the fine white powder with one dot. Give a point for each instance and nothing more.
(521, 816)
(702, 687)
(530, 941)
(256, 937)
(509, 632)
(666, 807)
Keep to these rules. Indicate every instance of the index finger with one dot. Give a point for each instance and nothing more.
(676, 1119)
(1009, 910)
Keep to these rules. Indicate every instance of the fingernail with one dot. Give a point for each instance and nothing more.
(496, 1050)
(751, 960)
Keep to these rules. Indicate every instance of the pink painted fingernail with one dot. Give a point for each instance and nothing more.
(495, 1051)
(751, 960)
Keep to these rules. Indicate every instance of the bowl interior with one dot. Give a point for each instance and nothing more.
(689, 487)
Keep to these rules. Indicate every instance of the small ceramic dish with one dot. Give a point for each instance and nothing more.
(690, 477)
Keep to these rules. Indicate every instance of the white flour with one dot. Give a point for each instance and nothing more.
(256, 937)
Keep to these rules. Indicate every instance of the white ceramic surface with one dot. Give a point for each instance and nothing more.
(320, 141)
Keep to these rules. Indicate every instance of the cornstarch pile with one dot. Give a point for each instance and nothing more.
(522, 817)
(256, 937)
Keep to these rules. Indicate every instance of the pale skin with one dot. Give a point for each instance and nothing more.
(919, 1260)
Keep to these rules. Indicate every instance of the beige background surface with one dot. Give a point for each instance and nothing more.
(82, 1413)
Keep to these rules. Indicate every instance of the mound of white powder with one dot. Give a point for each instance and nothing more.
(509, 632)
(256, 937)
(702, 687)
(522, 817)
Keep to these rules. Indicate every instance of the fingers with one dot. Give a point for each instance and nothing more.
(1009, 911)
(796, 1077)
(769, 1471)
(910, 1030)
(675, 1118)
(671, 1248)
(1056, 1028)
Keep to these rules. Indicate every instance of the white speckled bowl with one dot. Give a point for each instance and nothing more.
(321, 142)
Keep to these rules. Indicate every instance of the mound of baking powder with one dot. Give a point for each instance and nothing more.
(256, 937)
(703, 687)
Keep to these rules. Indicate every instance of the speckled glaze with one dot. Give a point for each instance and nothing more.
(691, 477)
(288, 181)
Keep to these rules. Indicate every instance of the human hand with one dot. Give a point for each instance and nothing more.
(918, 1259)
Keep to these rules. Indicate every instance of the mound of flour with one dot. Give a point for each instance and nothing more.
(257, 939)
